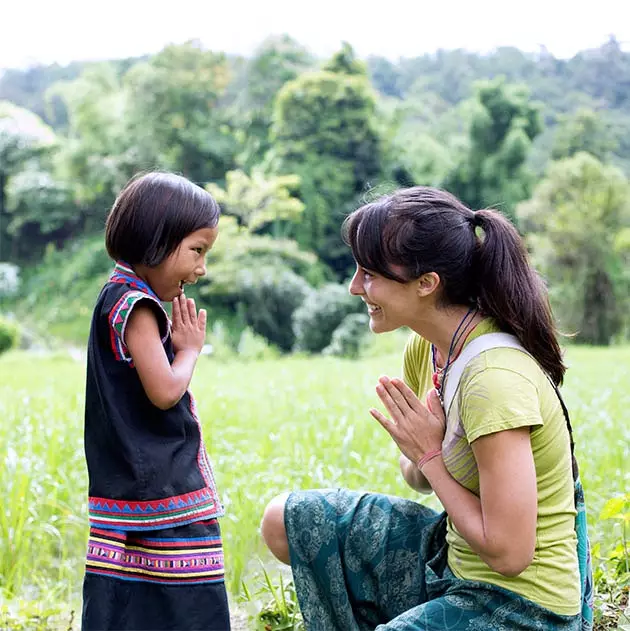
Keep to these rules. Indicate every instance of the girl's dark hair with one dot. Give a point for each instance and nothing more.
(423, 229)
(153, 214)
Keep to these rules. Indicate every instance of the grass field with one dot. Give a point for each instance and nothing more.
(269, 426)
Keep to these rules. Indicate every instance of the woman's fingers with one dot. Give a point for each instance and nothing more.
(390, 404)
(395, 394)
(408, 394)
(435, 406)
(382, 419)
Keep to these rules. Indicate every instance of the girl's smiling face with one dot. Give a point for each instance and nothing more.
(183, 267)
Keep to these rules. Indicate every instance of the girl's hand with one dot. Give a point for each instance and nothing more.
(189, 329)
(416, 428)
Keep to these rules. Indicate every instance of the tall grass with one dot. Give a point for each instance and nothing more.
(269, 427)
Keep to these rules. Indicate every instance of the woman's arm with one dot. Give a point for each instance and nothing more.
(500, 524)
(413, 477)
(165, 383)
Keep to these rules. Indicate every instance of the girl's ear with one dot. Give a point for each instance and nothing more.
(427, 284)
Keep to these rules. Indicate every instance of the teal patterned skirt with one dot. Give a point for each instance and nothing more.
(365, 561)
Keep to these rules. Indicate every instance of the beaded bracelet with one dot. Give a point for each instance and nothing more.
(428, 456)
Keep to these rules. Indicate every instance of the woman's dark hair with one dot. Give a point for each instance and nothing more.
(423, 229)
(153, 214)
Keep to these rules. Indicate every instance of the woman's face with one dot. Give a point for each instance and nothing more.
(390, 304)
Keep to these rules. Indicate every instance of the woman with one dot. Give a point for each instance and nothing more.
(504, 554)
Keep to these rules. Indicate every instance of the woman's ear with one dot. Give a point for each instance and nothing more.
(427, 284)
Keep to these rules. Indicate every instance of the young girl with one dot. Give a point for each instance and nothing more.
(155, 558)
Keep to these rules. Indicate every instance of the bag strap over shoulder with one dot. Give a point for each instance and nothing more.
(485, 343)
(471, 350)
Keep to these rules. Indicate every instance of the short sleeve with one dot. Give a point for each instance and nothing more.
(119, 317)
(496, 399)
(417, 365)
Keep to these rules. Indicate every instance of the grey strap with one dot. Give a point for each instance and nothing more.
(471, 350)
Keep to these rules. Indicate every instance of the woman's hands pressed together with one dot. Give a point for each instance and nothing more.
(417, 429)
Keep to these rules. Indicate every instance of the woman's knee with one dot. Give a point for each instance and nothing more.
(273, 530)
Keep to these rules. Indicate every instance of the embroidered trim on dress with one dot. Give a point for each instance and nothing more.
(176, 510)
(155, 560)
(118, 316)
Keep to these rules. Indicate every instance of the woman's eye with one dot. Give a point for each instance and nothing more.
(367, 274)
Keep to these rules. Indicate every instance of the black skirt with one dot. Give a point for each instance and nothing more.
(170, 579)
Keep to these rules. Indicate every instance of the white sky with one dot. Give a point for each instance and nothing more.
(45, 31)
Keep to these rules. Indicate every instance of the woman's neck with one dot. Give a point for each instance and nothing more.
(441, 325)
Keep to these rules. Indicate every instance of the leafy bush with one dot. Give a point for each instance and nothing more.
(9, 335)
(347, 337)
(269, 296)
(315, 321)
(252, 346)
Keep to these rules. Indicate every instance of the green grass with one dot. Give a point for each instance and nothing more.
(269, 427)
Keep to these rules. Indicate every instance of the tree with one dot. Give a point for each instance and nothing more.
(345, 61)
(583, 130)
(257, 281)
(23, 138)
(175, 120)
(276, 61)
(578, 222)
(98, 156)
(259, 202)
(503, 126)
(325, 132)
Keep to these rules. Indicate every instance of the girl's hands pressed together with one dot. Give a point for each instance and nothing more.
(189, 328)
(416, 428)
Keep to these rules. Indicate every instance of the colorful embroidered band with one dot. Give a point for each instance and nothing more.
(128, 556)
(170, 512)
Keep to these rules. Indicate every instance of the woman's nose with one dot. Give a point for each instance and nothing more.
(355, 287)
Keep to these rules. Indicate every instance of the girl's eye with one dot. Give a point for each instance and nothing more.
(198, 250)
(367, 274)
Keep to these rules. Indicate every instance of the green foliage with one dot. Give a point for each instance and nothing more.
(26, 615)
(583, 131)
(345, 61)
(270, 426)
(275, 606)
(9, 335)
(612, 575)
(173, 115)
(347, 337)
(268, 298)
(324, 131)
(57, 297)
(492, 172)
(578, 222)
(40, 210)
(276, 61)
(315, 321)
(98, 156)
(259, 202)
(24, 139)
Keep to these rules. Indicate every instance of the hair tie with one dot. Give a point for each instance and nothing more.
(475, 220)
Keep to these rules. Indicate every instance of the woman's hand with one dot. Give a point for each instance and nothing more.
(416, 428)
(189, 329)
